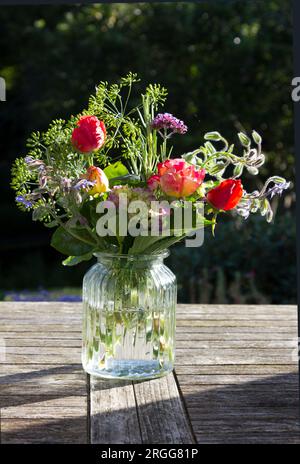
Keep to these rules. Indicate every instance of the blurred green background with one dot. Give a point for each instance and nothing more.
(228, 67)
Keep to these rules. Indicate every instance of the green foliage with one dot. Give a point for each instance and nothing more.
(223, 84)
(20, 177)
(261, 257)
(74, 260)
(72, 242)
(115, 170)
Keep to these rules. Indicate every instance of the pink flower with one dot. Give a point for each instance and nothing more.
(89, 135)
(177, 178)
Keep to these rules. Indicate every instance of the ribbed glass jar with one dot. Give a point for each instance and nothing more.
(129, 317)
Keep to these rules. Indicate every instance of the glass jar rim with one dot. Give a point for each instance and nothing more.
(132, 257)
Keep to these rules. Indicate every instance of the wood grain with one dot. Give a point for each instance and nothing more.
(43, 389)
(161, 413)
(113, 412)
(236, 377)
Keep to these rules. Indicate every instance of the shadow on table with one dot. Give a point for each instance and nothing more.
(260, 411)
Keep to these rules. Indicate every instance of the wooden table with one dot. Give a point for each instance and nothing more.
(236, 380)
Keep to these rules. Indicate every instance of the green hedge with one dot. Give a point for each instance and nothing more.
(246, 262)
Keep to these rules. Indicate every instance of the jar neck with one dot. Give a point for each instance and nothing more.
(141, 260)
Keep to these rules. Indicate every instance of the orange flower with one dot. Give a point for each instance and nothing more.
(99, 177)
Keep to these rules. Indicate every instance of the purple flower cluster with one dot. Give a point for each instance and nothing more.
(83, 184)
(168, 121)
(24, 201)
(278, 189)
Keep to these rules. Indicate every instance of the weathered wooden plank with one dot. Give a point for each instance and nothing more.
(41, 335)
(201, 350)
(242, 439)
(40, 370)
(236, 397)
(182, 333)
(49, 400)
(62, 430)
(43, 343)
(250, 425)
(113, 413)
(162, 416)
(59, 358)
(39, 306)
(236, 336)
(247, 307)
(236, 317)
(54, 318)
(180, 343)
(236, 323)
(194, 379)
(205, 413)
(242, 331)
(250, 344)
(231, 358)
(236, 309)
(37, 328)
(42, 410)
(242, 351)
(239, 369)
(43, 350)
(64, 387)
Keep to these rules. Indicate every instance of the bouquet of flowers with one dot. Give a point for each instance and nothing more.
(109, 184)
(78, 172)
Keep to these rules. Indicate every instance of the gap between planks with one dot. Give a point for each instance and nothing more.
(138, 412)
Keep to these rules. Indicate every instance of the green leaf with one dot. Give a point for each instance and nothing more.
(115, 170)
(51, 224)
(152, 244)
(210, 148)
(67, 244)
(131, 179)
(73, 260)
(155, 244)
(277, 180)
(245, 141)
(39, 213)
(218, 168)
(216, 136)
(256, 137)
(238, 170)
(88, 210)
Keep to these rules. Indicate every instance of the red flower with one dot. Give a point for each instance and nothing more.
(89, 135)
(153, 182)
(177, 178)
(226, 195)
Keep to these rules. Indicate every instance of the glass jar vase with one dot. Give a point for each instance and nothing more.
(129, 317)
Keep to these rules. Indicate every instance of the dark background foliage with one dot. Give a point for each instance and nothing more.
(228, 67)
